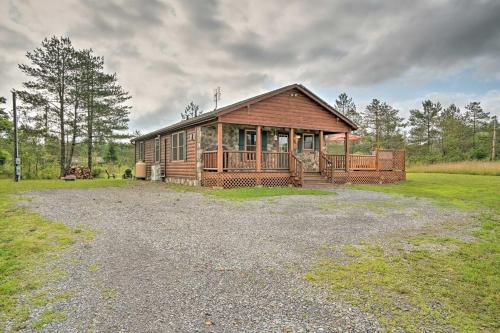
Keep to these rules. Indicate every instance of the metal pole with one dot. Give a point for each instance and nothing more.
(17, 160)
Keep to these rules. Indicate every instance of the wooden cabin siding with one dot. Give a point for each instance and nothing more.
(187, 167)
(288, 109)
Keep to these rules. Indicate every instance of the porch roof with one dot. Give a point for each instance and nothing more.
(212, 115)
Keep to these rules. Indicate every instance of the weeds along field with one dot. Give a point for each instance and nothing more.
(486, 168)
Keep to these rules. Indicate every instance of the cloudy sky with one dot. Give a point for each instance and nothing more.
(168, 53)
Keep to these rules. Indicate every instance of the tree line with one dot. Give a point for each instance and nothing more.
(430, 134)
(68, 104)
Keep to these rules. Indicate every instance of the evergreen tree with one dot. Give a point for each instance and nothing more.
(50, 71)
(391, 135)
(451, 132)
(476, 118)
(424, 124)
(104, 101)
(384, 123)
(191, 111)
(346, 106)
(5, 123)
(111, 156)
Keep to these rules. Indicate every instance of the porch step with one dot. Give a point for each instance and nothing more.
(315, 180)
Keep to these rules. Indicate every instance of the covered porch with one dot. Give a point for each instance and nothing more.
(236, 155)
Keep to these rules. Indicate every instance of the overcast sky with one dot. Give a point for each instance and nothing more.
(168, 53)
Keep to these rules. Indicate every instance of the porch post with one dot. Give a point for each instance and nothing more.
(290, 149)
(220, 150)
(321, 143)
(346, 151)
(258, 149)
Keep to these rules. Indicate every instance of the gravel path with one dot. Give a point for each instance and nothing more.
(167, 261)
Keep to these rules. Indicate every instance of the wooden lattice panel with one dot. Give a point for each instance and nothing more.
(245, 179)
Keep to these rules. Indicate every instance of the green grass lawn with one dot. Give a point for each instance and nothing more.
(27, 242)
(463, 191)
(412, 285)
(247, 193)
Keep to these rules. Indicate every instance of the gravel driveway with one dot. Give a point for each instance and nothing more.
(169, 261)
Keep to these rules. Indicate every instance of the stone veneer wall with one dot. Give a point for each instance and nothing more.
(183, 181)
(230, 137)
(311, 160)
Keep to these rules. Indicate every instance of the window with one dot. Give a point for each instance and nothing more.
(283, 143)
(250, 143)
(157, 150)
(250, 140)
(308, 141)
(141, 151)
(178, 146)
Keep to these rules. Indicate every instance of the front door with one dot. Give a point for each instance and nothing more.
(283, 145)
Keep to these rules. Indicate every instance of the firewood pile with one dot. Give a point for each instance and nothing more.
(80, 172)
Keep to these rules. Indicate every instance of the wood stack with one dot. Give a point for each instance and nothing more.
(80, 172)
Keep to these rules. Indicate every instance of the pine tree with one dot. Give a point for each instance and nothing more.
(191, 111)
(451, 133)
(391, 126)
(5, 123)
(384, 123)
(373, 120)
(346, 106)
(424, 124)
(104, 101)
(50, 72)
(477, 118)
(111, 156)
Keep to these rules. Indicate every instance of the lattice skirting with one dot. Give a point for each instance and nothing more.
(245, 179)
(369, 177)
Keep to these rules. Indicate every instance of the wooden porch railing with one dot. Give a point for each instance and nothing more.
(362, 162)
(297, 171)
(327, 167)
(239, 160)
(275, 161)
(209, 160)
(338, 161)
(383, 160)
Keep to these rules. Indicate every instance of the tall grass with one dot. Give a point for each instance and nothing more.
(463, 167)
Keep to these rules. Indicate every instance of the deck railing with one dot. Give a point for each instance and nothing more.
(210, 160)
(239, 160)
(383, 160)
(338, 161)
(275, 161)
(297, 171)
(327, 168)
(362, 162)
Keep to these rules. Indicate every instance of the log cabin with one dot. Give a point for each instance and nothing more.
(273, 139)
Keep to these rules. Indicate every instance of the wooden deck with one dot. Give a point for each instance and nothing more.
(283, 169)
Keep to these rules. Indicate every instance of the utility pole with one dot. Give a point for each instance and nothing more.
(494, 140)
(17, 160)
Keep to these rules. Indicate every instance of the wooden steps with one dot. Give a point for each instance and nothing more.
(315, 180)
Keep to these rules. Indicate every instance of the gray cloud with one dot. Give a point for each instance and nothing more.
(168, 53)
(13, 40)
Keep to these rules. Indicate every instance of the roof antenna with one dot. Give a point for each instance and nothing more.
(217, 95)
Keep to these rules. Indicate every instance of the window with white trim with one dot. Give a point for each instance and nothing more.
(141, 151)
(178, 152)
